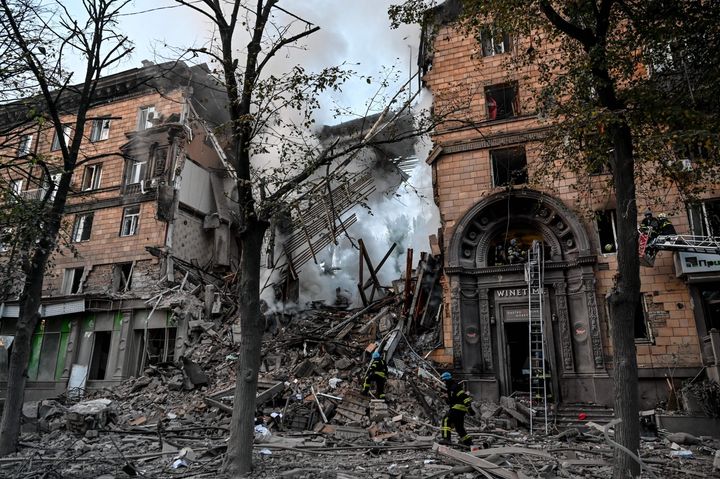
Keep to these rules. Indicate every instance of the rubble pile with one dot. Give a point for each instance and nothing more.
(312, 421)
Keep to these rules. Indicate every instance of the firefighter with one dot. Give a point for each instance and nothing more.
(377, 373)
(665, 227)
(514, 253)
(460, 404)
(649, 224)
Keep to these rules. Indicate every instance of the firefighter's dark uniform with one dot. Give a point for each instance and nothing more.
(378, 374)
(460, 404)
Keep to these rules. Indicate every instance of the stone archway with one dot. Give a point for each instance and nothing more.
(480, 288)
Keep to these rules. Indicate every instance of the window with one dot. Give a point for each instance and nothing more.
(100, 129)
(54, 184)
(501, 101)
(130, 220)
(705, 218)
(135, 172)
(122, 277)
(607, 231)
(72, 280)
(493, 42)
(509, 166)
(642, 327)
(24, 145)
(100, 355)
(82, 227)
(710, 298)
(67, 130)
(597, 154)
(16, 187)
(146, 115)
(91, 177)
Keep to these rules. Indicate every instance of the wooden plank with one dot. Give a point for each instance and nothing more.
(408, 281)
(371, 268)
(380, 265)
(219, 405)
(268, 394)
(481, 465)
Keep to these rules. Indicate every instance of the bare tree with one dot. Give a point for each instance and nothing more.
(42, 35)
(258, 105)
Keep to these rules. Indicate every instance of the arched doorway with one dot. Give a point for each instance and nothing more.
(489, 294)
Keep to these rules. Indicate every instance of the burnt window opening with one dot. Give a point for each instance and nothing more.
(642, 327)
(100, 129)
(122, 277)
(91, 177)
(67, 131)
(705, 218)
(82, 227)
(100, 355)
(509, 166)
(159, 348)
(158, 157)
(130, 221)
(493, 41)
(72, 280)
(501, 101)
(607, 230)
(597, 155)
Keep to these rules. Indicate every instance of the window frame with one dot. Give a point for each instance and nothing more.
(700, 222)
(25, 145)
(494, 92)
(81, 226)
(93, 181)
(72, 280)
(145, 116)
(134, 219)
(100, 130)
(496, 170)
(649, 337)
(488, 32)
(613, 227)
(67, 132)
(132, 171)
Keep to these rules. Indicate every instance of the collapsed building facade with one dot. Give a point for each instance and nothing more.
(481, 166)
(151, 209)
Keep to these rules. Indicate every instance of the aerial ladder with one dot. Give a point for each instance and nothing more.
(538, 374)
(649, 247)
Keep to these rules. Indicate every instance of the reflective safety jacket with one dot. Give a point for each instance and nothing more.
(458, 399)
(378, 367)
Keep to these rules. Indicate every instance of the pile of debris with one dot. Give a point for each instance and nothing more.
(312, 421)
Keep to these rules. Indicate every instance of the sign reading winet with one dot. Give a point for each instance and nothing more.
(513, 293)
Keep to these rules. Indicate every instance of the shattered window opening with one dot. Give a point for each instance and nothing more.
(146, 115)
(24, 145)
(100, 355)
(642, 325)
(67, 130)
(130, 221)
(710, 297)
(82, 227)
(100, 129)
(72, 280)
(160, 347)
(493, 42)
(501, 101)
(92, 177)
(122, 277)
(607, 231)
(509, 166)
(705, 218)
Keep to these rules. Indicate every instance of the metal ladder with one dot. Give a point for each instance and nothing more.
(534, 272)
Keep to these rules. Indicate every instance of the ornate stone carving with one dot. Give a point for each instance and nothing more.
(456, 326)
(594, 320)
(485, 334)
(564, 324)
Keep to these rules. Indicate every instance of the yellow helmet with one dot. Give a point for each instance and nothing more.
(662, 216)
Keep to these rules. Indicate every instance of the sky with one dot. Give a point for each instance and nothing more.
(351, 32)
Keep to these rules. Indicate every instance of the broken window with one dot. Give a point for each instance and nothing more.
(91, 177)
(130, 221)
(642, 326)
(146, 115)
(54, 183)
(607, 230)
(509, 166)
(710, 298)
(493, 41)
(705, 218)
(72, 280)
(501, 101)
(82, 227)
(100, 129)
(135, 172)
(159, 348)
(67, 130)
(122, 277)
(24, 145)
(16, 186)
(100, 355)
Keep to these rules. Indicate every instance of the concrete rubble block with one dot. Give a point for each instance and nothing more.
(94, 414)
(194, 373)
(344, 363)
(379, 410)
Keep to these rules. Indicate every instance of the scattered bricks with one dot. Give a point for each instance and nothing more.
(346, 432)
(378, 410)
(85, 415)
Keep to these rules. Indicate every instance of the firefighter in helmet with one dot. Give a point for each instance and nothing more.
(460, 403)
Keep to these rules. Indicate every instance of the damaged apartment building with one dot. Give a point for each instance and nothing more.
(153, 208)
(481, 168)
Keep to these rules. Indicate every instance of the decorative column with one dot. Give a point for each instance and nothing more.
(485, 335)
(594, 320)
(563, 319)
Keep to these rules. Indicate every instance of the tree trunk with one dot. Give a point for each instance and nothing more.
(240, 446)
(623, 302)
(22, 344)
